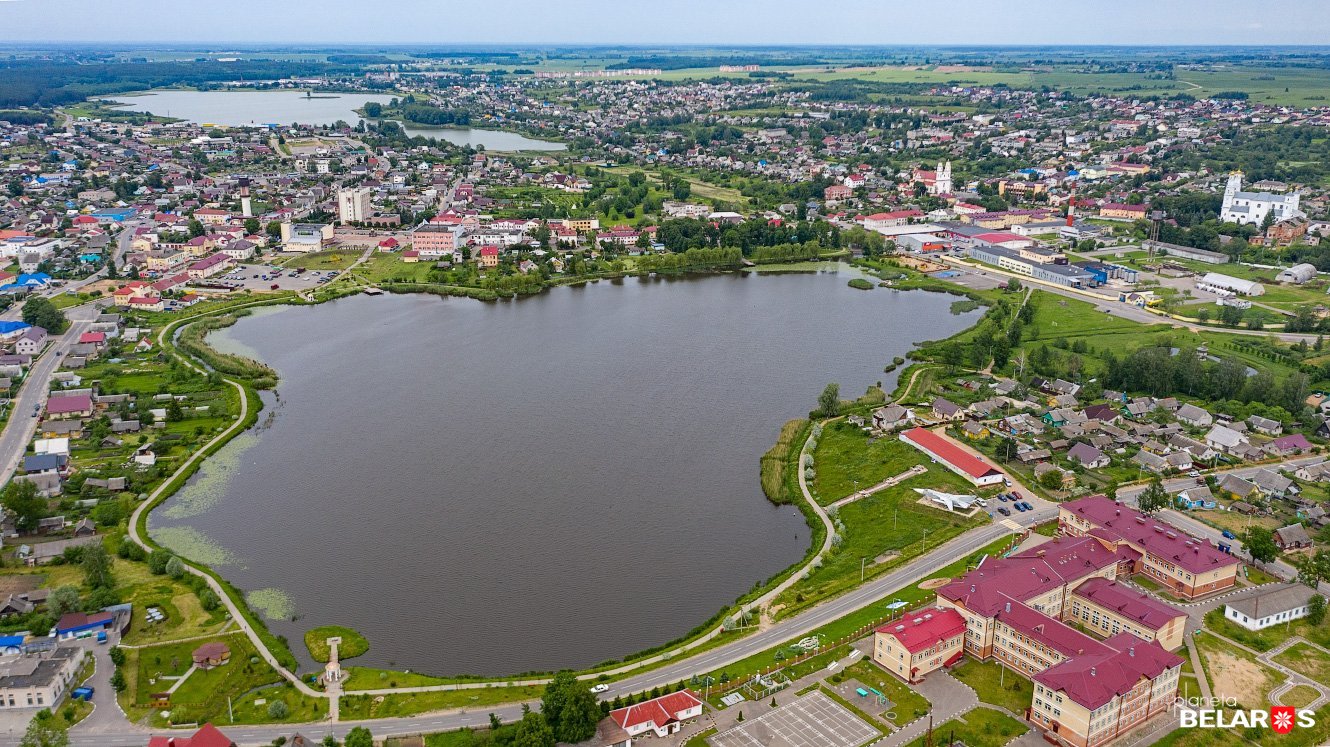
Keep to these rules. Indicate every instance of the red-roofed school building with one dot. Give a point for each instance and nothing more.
(1190, 567)
(925, 641)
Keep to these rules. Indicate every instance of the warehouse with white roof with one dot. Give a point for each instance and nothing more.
(1225, 285)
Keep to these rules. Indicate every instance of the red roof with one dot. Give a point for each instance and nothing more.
(208, 736)
(1128, 602)
(926, 628)
(1026, 575)
(999, 237)
(1093, 679)
(659, 711)
(92, 337)
(1163, 540)
(489, 251)
(71, 403)
(947, 451)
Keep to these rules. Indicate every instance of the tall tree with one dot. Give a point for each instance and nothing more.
(570, 708)
(40, 312)
(1153, 499)
(97, 566)
(22, 500)
(1260, 543)
(828, 403)
(359, 737)
(44, 731)
(532, 731)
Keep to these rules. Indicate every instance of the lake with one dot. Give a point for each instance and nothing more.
(254, 108)
(529, 485)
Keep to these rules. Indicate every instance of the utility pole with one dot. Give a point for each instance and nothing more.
(862, 562)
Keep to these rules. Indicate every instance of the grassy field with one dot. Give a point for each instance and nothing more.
(1007, 689)
(203, 695)
(847, 460)
(339, 259)
(185, 616)
(981, 727)
(1300, 696)
(858, 619)
(356, 707)
(1264, 640)
(365, 678)
(390, 267)
(880, 532)
(1307, 660)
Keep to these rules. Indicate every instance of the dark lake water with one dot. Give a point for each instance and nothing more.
(498, 488)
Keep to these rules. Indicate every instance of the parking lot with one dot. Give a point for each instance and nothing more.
(264, 277)
(814, 720)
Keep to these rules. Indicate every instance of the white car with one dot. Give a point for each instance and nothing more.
(1193, 473)
(601, 688)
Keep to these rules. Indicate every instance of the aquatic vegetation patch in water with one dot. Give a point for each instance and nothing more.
(208, 486)
(273, 604)
(190, 543)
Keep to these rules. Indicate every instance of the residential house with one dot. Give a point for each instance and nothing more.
(1225, 439)
(1265, 425)
(892, 417)
(1088, 456)
(1292, 537)
(946, 410)
(1194, 416)
(662, 716)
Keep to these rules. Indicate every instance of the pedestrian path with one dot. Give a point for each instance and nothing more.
(917, 469)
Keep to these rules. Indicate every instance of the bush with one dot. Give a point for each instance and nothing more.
(277, 710)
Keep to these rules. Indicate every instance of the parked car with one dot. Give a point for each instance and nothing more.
(1004, 511)
(1193, 473)
(1229, 535)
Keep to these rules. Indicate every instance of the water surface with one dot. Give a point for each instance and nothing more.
(255, 108)
(552, 482)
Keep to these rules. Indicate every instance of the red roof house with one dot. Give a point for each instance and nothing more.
(663, 715)
(207, 736)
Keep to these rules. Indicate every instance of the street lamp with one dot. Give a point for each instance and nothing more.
(862, 563)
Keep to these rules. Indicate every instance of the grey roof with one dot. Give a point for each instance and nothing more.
(1283, 599)
(35, 671)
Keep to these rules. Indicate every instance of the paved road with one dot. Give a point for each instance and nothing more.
(21, 425)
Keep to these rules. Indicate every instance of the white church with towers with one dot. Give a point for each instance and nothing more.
(1252, 207)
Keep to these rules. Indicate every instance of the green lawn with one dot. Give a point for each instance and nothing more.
(847, 460)
(1002, 688)
(365, 678)
(981, 727)
(887, 529)
(1264, 640)
(356, 707)
(1309, 661)
(1300, 696)
(353, 643)
(858, 620)
(338, 259)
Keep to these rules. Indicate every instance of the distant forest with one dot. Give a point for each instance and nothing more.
(48, 83)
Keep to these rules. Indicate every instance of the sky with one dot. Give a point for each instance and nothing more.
(739, 22)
